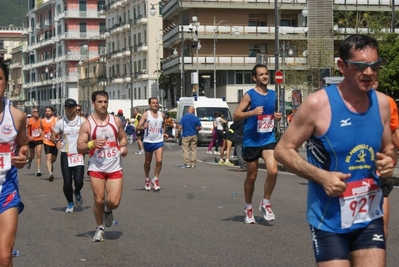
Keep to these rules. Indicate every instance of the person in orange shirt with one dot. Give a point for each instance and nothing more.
(35, 137)
(51, 151)
(387, 185)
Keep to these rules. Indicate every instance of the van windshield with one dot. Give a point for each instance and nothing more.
(208, 113)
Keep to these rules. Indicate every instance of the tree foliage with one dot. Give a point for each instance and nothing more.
(13, 12)
(389, 74)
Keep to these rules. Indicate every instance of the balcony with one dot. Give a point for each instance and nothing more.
(141, 47)
(229, 63)
(74, 35)
(88, 81)
(75, 14)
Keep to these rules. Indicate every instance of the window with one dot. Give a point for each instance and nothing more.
(82, 5)
(144, 64)
(1, 44)
(253, 50)
(82, 27)
(243, 77)
(100, 5)
(103, 27)
(258, 19)
(289, 20)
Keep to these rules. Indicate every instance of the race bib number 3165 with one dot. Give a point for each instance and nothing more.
(360, 202)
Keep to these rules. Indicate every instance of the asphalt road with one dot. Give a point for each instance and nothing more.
(195, 220)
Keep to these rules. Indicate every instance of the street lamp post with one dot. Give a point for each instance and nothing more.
(195, 78)
(215, 32)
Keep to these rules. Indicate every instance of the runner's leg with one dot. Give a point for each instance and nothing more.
(8, 226)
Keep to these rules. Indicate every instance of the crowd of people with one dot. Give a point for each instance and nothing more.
(345, 211)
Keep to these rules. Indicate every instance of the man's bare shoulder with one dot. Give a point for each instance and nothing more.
(316, 101)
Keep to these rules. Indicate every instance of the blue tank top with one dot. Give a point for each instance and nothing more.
(348, 146)
(259, 130)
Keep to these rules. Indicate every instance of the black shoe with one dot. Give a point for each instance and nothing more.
(38, 174)
(51, 178)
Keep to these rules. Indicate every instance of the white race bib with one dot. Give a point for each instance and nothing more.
(5, 161)
(360, 202)
(265, 123)
(75, 160)
(108, 153)
(35, 133)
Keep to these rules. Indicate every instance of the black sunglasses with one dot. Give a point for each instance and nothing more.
(78, 110)
(361, 66)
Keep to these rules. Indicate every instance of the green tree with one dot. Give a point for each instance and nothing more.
(389, 74)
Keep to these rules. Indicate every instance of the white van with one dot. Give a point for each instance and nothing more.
(204, 109)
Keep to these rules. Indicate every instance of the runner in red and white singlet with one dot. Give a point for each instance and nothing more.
(103, 137)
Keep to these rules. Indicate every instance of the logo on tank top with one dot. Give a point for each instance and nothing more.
(345, 122)
(6, 129)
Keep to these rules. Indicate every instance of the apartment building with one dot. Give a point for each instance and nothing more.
(205, 35)
(133, 50)
(60, 35)
(11, 42)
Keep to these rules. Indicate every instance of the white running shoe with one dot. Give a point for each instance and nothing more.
(99, 235)
(155, 184)
(147, 185)
(267, 211)
(209, 152)
(69, 208)
(249, 216)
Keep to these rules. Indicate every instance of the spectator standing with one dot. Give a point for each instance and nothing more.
(188, 128)
(129, 129)
(139, 135)
(238, 127)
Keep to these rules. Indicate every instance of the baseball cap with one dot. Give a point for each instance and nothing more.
(29, 115)
(69, 103)
(120, 111)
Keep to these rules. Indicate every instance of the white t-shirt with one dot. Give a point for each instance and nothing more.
(69, 131)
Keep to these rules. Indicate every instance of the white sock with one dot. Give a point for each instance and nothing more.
(266, 201)
(155, 178)
(106, 209)
(248, 206)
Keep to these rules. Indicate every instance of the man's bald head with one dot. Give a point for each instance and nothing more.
(190, 109)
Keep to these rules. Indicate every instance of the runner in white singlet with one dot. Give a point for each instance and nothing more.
(13, 156)
(154, 132)
(103, 137)
(72, 162)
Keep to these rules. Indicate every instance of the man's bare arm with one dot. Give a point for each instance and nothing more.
(83, 138)
(19, 160)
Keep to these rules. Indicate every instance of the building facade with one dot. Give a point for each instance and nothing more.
(60, 35)
(133, 50)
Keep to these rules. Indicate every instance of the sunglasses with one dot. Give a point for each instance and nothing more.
(35, 111)
(361, 66)
(78, 110)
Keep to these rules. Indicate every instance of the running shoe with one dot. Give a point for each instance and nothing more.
(137, 152)
(78, 200)
(267, 211)
(28, 163)
(216, 153)
(99, 235)
(221, 162)
(155, 184)
(108, 218)
(185, 166)
(38, 174)
(249, 216)
(147, 185)
(141, 152)
(228, 163)
(192, 165)
(51, 178)
(209, 152)
(69, 208)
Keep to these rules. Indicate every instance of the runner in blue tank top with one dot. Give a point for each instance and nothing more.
(257, 109)
(347, 129)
